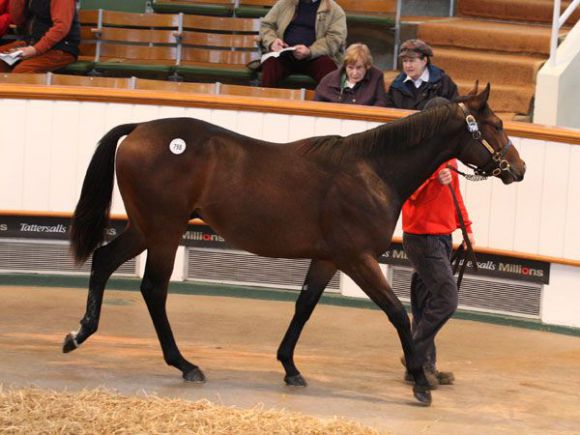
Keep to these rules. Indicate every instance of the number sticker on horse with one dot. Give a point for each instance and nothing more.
(177, 146)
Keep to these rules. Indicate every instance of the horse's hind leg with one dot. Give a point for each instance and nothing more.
(367, 274)
(317, 278)
(158, 270)
(106, 260)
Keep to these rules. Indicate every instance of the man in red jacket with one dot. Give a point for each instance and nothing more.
(52, 39)
(4, 17)
(429, 218)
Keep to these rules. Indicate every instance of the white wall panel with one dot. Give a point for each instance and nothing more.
(301, 127)
(276, 128)
(561, 298)
(572, 229)
(117, 114)
(180, 112)
(63, 157)
(251, 124)
(38, 148)
(502, 214)
(327, 126)
(225, 118)
(350, 126)
(554, 197)
(529, 198)
(144, 113)
(12, 150)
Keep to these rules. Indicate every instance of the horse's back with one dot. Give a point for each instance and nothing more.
(189, 161)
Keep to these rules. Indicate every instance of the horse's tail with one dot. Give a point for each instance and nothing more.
(92, 211)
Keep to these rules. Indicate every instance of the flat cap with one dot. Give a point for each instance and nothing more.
(415, 48)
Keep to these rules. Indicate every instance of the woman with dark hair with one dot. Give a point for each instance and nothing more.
(420, 80)
(356, 82)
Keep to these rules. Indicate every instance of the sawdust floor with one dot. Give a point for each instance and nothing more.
(509, 380)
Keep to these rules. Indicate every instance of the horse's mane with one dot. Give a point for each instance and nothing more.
(391, 137)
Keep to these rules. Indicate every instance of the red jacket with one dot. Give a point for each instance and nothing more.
(62, 13)
(430, 210)
(4, 17)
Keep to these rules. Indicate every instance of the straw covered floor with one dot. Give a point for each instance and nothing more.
(34, 410)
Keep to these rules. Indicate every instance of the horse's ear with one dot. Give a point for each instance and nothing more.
(479, 101)
(473, 91)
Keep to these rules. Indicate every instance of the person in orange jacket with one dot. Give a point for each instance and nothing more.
(429, 219)
(52, 35)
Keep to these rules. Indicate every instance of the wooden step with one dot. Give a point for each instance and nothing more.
(514, 10)
(488, 66)
(484, 34)
(504, 98)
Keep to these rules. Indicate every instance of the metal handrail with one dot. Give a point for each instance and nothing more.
(557, 22)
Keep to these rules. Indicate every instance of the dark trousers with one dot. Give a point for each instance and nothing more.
(45, 62)
(276, 69)
(434, 294)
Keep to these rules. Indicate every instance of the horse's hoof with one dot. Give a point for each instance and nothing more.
(70, 343)
(422, 394)
(195, 375)
(295, 381)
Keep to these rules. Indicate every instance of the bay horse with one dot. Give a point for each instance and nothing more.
(332, 199)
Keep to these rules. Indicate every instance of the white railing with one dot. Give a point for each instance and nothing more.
(557, 23)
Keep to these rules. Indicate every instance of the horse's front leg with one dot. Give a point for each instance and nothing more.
(106, 260)
(367, 274)
(154, 290)
(319, 274)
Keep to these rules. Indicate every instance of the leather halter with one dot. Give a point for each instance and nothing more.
(497, 162)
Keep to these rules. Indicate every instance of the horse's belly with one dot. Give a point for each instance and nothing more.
(269, 238)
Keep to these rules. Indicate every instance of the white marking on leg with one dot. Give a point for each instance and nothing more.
(74, 338)
(305, 287)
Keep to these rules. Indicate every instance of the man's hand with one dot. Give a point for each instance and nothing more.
(27, 52)
(278, 45)
(301, 52)
(444, 176)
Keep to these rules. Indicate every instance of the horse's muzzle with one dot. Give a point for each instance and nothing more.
(513, 175)
(519, 175)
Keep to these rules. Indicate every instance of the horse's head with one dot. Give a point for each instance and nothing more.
(486, 148)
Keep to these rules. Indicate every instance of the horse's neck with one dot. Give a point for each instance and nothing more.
(406, 171)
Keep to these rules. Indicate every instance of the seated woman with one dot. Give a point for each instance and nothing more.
(4, 17)
(420, 81)
(357, 82)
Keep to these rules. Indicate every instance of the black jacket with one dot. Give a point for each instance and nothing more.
(403, 95)
(370, 91)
